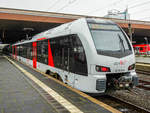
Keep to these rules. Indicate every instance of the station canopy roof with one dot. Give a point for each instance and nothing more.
(19, 24)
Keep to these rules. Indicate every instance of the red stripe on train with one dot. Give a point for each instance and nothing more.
(15, 52)
(50, 57)
(34, 54)
(41, 38)
(12, 50)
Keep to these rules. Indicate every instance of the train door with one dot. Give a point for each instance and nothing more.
(19, 53)
(12, 51)
(65, 59)
(66, 62)
(34, 54)
(50, 57)
(15, 52)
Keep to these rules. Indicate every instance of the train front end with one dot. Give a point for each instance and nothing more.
(113, 64)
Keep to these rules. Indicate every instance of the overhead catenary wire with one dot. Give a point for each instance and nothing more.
(55, 3)
(104, 7)
(114, 4)
(145, 18)
(109, 5)
(66, 5)
(118, 2)
(141, 11)
(137, 5)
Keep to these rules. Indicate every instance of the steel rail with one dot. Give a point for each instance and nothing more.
(143, 72)
(132, 104)
(129, 104)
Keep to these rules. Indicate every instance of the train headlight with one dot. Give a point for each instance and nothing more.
(102, 69)
(126, 85)
(120, 85)
(131, 67)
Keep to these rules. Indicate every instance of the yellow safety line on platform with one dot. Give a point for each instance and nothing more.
(111, 109)
(70, 107)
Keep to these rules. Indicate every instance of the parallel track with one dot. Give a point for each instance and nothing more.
(143, 72)
(142, 63)
(122, 105)
(144, 85)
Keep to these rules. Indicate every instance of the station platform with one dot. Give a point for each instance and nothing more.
(143, 59)
(26, 90)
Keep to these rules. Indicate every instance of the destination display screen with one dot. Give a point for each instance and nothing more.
(103, 26)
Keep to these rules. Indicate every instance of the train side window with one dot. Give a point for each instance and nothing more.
(12, 50)
(18, 50)
(141, 48)
(56, 48)
(29, 51)
(39, 51)
(80, 61)
(24, 51)
(42, 51)
(68, 54)
(21, 50)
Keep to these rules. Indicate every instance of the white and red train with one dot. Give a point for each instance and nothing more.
(91, 55)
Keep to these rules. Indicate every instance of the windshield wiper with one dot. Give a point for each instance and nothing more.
(121, 41)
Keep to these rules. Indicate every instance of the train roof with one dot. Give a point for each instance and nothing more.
(63, 27)
(96, 20)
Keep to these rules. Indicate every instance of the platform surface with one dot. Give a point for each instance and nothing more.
(19, 94)
(143, 59)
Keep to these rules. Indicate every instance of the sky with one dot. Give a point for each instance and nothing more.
(138, 9)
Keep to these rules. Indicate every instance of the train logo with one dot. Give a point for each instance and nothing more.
(122, 62)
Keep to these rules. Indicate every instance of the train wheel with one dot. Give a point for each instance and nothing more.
(54, 75)
(59, 78)
(49, 73)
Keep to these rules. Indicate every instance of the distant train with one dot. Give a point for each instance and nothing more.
(142, 48)
(91, 55)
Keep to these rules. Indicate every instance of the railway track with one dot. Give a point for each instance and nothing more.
(143, 72)
(122, 105)
(142, 63)
(144, 85)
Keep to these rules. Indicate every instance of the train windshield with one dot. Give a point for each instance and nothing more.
(110, 40)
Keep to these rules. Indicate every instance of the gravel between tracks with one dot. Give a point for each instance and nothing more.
(136, 96)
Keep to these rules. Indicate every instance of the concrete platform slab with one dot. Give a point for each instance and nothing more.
(41, 84)
(17, 95)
